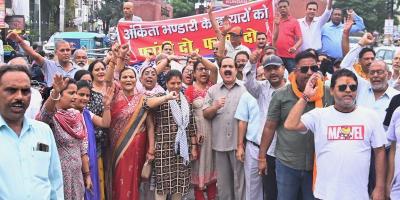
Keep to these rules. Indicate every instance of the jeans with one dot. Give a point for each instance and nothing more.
(289, 63)
(293, 184)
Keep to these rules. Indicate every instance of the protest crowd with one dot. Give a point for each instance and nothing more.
(302, 116)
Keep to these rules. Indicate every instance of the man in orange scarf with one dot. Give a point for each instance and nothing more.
(294, 152)
(343, 143)
(365, 55)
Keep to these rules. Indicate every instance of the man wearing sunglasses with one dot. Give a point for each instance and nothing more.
(374, 91)
(294, 152)
(343, 143)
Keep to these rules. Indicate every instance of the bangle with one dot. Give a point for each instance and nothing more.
(306, 98)
(86, 173)
(51, 96)
(108, 107)
(150, 153)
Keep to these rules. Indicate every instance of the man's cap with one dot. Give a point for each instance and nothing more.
(236, 30)
(273, 60)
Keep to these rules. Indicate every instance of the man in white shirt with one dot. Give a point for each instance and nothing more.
(128, 13)
(374, 91)
(311, 26)
(344, 135)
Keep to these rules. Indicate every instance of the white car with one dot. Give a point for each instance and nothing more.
(353, 40)
(48, 48)
(386, 53)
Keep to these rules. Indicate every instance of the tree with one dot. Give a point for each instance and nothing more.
(374, 12)
(110, 13)
(182, 8)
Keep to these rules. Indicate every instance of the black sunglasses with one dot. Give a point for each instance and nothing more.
(343, 87)
(304, 69)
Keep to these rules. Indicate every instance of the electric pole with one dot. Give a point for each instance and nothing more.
(62, 11)
(389, 8)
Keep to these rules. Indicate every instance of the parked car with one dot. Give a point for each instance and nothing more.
(386, 53)
(353, 40)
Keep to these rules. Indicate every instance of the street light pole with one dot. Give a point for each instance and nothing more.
(40, 22)
(62, 11)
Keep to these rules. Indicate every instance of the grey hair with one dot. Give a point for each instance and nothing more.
(19, 61)
(77, 51)
(58, 42)
(381, 62)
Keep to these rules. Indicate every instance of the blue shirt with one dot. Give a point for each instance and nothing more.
(51, 68)
(25, 172)
(248, 111)
(331, 37)
(366, 98)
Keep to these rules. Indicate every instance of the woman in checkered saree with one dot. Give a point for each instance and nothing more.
(173, 141)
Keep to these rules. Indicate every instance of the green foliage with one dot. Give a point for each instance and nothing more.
(110, 13)
(373, 12)
(183, 8)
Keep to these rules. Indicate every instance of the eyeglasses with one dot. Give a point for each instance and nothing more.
(343, 87)
(379, 72)
(202, 69)
(304, 69)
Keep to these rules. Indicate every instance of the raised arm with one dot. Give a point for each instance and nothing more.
(209, 65)
(105, 120)
(326, 15)
(250, 70)
(277, 20)
(293, 122)
(58, 85)
(164, 63)
(359, 24)
(346, 35)
(226, 26)
(28, 50)
(349, 59)
(329, 5)
(213, 21)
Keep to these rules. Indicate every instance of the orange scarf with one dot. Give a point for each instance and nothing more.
(317, 98)
(318, 104)
(360, 71)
